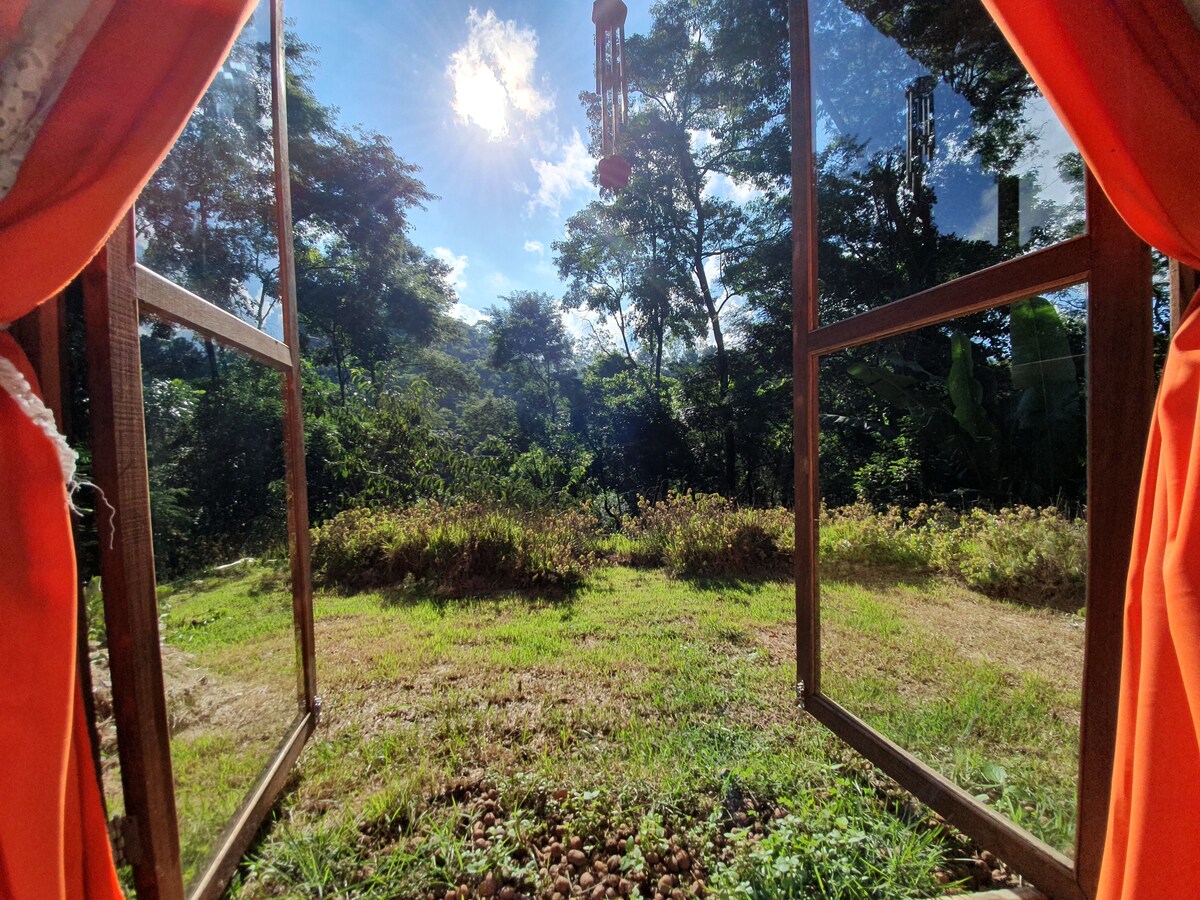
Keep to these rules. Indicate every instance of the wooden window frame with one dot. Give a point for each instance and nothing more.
(1116, 266)
(117, 292)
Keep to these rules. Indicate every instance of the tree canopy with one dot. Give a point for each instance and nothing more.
(686, 274)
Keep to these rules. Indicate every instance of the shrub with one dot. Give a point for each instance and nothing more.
(857, 535)
(706, 535)
(454, 550)
(1032, 556)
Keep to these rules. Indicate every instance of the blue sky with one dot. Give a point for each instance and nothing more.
(484, 98)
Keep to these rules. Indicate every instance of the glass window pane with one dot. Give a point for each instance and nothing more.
(214, 437)
(953, 549)
(206, 220)
(936, 154)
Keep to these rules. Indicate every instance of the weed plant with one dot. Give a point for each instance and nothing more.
(1037, 557)
(836, 843)
(454, 550)
(708, 536)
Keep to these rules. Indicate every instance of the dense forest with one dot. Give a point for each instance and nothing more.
(693, 390)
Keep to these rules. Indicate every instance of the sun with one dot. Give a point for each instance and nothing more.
(480, 97)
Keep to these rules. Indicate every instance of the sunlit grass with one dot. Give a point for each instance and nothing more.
(650, 696)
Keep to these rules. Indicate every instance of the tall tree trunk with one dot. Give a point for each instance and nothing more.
(726, 406)
(210, 350)
(338, 363)
(726, 411)
(658, 356)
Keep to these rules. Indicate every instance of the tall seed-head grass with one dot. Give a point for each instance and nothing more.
(709, 536)
(455, 550)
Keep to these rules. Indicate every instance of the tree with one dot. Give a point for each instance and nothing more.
(708, 105)
(363, 308)
(629, 279)
(529, 342)
(207, 218)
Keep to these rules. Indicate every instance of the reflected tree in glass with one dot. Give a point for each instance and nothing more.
(908, 201)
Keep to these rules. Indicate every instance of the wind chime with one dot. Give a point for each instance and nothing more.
(922, 140)
(611, 85)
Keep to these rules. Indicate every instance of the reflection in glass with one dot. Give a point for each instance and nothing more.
(953, 549)
(206, 220)
(936, 155)
(215, 448)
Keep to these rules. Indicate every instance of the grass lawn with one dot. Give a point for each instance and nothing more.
(639, 737)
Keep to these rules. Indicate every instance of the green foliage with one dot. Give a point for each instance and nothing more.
(404, 405)
(948, 415)
(1049, 413)
(965, 390)
(93, 598)
(892, 474)
(1032, 556)
(206, 215)
(454, 550)
(1019, 554)
(528, 337)
(858, 535)
(379, 446)
(214, 443)
(835, 845)
(709, 536)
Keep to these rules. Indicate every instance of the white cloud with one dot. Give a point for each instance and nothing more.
(535, 247)
(1054, 142)
(558, 180)
(501, 283)
(589, 328)
(714, 270)
(468, 314)
(700, 139)
(493, 75)
(723, 187)
(458, 265)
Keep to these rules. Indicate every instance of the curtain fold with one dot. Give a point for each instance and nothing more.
(96, 93)
(1124, 78)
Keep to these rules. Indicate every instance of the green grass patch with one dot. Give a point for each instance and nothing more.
(644, 716)
(987, 693)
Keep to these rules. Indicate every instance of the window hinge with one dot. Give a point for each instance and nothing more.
(126, 844)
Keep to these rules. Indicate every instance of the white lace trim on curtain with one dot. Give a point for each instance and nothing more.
(36, 61)
(17, 386)
(35, 64)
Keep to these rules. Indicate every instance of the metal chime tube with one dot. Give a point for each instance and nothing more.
(609, 17)
(601, 83)
(611, 85)
(921, 141)
(624, 79)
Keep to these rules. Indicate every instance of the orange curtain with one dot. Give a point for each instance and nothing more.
(1124, 77)
(125, 76)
